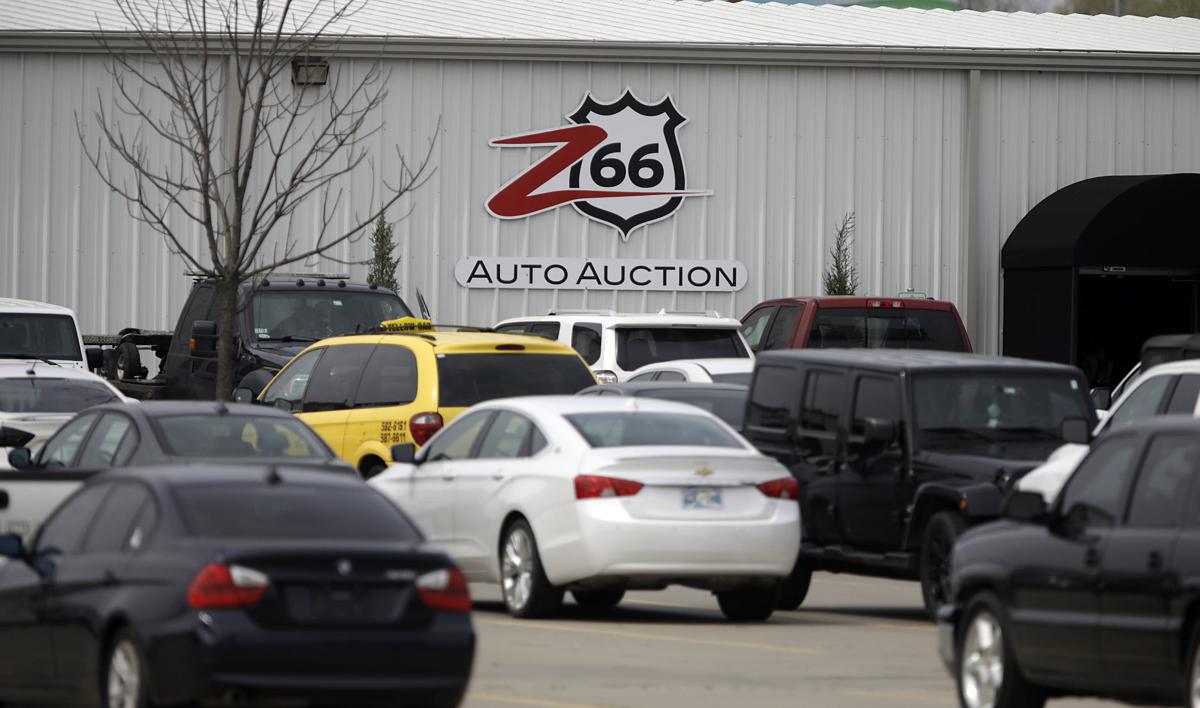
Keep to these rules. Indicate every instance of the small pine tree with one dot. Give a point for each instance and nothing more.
(841, 277)
(383, 265)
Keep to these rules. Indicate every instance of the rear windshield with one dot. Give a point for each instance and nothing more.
(859, 328)
(742, 379)
(38, 337)
(241, 436)
(638, 346)
(287, 511)
(38, 395)
(729, 406)
(628, 429)
(467, 379)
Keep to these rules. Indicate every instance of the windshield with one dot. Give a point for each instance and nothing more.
(628, 429)
(312, 315)
(38, 395)
(1010, 415)
(38, 337)
(638, 346)
(729, 406)
(291, 512)
(240, 436)
(860, 328)
(467, 379)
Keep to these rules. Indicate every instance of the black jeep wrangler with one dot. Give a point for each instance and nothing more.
(898, 452)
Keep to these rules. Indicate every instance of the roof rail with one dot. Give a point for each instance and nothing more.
(601, 313)
(697, 313)
(315, 276)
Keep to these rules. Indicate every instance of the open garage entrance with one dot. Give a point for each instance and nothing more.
(1100, 266)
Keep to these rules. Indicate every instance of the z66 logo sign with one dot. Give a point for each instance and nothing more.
(619, 163)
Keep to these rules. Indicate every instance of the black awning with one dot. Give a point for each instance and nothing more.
(1142, 221)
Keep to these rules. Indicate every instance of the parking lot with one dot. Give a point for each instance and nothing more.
(856, 642)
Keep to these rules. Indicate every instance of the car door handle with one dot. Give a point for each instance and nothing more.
(1091, 557)
(110, 578)
(447, 476)
(3, 499)
(1154, 561)
(498, 476)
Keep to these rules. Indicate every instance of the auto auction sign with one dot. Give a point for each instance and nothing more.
(600, 274)
(618, 163)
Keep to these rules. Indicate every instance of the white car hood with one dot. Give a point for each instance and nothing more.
(1048, 478)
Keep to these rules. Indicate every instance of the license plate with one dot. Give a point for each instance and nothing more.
(702, 498)
(338, 604)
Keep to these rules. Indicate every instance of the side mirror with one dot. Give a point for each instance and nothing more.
(203, 342)
(12, 546)
(1027, 507)
(20, 458)
(879, 431)
(404, 453)
(14, 437)
(95, 358)
(1076, 430)
(243, 395)
(1102, 397)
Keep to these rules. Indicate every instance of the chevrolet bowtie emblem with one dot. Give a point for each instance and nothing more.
(703, 472)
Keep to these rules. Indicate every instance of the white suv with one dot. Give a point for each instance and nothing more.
(614, 345)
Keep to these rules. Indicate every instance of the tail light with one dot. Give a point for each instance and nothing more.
(590, 486)
(424, 425)
(783, 488)
(605, 376)
(444, 589)
(220, 585)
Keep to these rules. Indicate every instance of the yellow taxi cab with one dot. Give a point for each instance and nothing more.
(365, 393)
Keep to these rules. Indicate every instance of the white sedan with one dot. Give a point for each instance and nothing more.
(600, 495)
(724, 370)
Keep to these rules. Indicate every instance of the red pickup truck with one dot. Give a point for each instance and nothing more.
(854, 323)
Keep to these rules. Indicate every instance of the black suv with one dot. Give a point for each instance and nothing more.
(898, 452)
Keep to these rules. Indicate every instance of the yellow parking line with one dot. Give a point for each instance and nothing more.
(652, 637)
(522, 701)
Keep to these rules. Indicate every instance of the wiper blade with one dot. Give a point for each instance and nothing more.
(1039, 433)
(961, 433)
(30, 357)
(288, 338)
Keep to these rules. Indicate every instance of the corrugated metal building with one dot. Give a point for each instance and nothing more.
(940, 130)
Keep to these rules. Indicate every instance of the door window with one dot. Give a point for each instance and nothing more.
(671, 375)
(110, 444)
(780, 336)
(823, 401)
(197, 309)
(1161, 492)
(65, 528)
(114, 523)
(506, 436)
(390, 379)
(459, 439)
(649, 376)
(1143, 402)
(1183, 399)
(755, 327)
(335, 378)
(875, 398)
(585, 339)
(771, 397)
(60, 450)
(287, 391)
(1096, 492)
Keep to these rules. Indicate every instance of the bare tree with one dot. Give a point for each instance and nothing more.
(246, 143)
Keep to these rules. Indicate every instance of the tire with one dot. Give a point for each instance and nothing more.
(794, 588)
(748, 604)
(986, 670)
(1191, 696)
(125, 681)
(602, 599)
(128, 362)
(527, 592)
(937, 550)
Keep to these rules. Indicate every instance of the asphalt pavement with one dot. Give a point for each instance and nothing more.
(856, 642)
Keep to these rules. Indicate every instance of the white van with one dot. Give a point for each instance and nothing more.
(40, 331)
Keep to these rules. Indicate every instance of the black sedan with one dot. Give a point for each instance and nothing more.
(1097, 594)
(168, 585)
(725, 401)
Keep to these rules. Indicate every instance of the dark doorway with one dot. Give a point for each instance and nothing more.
(1118, 312)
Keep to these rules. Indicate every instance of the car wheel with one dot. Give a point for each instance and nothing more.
(794, 588)
(603, 598)
(988, 674)
(128, 362)
(748, 604)
(1192, 699)
(125, 680)
(527, 592)
(937, 551)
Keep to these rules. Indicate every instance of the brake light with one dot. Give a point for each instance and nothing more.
(424, 425)
(783, 488)
(445, 589)
(220, 585)
(886, 304)
(590, 486)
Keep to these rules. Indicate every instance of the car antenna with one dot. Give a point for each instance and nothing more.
(273, 476)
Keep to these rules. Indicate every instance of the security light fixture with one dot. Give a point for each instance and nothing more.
(310, 71)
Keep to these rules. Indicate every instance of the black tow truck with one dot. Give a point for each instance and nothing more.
(279, 316)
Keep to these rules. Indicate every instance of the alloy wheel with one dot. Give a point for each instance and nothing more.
(517, 568)
(124, 676)
(982, 662)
